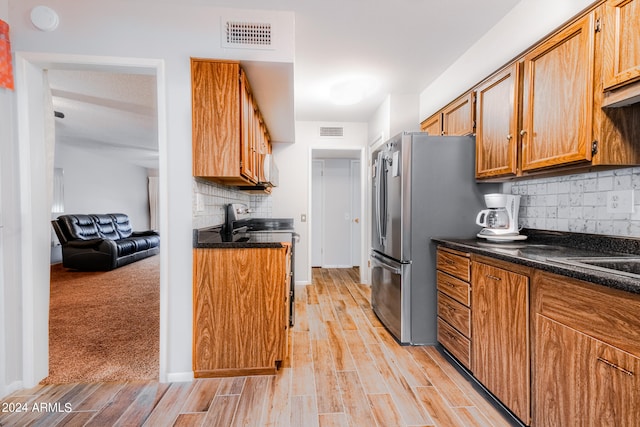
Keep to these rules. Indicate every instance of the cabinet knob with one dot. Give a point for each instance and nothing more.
(523, 132)
(509, 137)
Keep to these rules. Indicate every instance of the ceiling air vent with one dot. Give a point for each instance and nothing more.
(331, 131)
(247, 35)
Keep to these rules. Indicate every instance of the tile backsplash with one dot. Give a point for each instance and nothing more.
(578, 203)
(213, 198)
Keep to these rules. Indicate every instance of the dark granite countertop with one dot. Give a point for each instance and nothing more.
(214, 238)
(541, 247)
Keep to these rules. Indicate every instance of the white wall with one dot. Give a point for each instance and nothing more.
(528, 22)
(10, 295)
(94, 183)
(397, 113)
(171, 33)
(291, 198)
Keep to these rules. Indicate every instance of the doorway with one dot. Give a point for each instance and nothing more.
(336, 208)
(34, 187)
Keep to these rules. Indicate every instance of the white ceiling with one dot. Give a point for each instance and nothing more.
(402, 44)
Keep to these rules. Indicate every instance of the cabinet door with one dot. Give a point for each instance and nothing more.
(500, 329)
(457, 118)
(497, 124)
(247, 164)
(216, 115)
(558, 98)
(582, 381)
(621, 30)
(432, 125)
(239, 310)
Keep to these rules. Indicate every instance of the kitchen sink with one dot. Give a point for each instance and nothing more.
(624, 265)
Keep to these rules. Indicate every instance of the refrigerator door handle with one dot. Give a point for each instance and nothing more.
(381, 198)
(395, 268)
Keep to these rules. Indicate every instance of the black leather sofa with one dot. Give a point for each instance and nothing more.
(102, 242)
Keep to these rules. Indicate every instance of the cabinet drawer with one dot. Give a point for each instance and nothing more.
(455, 288)
(607, 314)
(455, 314)
(455, 265)
(455, 342)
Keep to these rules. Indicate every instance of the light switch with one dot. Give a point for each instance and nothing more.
(303, 218)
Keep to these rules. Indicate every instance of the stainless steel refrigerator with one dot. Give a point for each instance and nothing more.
(423, 187)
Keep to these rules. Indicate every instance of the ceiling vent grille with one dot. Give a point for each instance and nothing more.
(331, 131)
(247, 34)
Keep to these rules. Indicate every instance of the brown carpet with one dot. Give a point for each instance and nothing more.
(104, 326)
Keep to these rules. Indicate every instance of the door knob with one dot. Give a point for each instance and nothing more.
(357, 220)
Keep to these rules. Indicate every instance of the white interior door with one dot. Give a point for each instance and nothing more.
(337, 213)
(317, 213)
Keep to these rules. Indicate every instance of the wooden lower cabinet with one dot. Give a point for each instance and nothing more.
(586, 355)
(582, 381)
(240, 318)
(454, 299)
(500, 325)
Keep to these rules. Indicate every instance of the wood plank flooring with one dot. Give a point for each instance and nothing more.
(345, 370)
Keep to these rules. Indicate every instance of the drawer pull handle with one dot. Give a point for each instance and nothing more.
(489, 276)
(448, 261)
(614, 366)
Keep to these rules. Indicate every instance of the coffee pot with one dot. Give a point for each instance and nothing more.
(493, 218)
(500, 220)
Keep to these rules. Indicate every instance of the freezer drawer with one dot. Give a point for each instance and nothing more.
(388, 296)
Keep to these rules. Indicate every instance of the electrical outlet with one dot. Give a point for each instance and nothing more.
(303, 218)
(620, 201)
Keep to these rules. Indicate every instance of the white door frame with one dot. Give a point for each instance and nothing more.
(317, 219)
(354, 225)
(364, 272)
(35, 216)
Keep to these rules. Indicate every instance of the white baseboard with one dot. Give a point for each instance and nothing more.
(302, 282)
(8, 389)
(180, 377)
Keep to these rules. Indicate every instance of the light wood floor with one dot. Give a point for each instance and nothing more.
(345, 370)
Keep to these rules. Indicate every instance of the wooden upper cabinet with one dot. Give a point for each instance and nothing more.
(558, 98)
(458, 117)
(215, 119)
(246, 165)
(432, 125)
(621, 31)
(497, 124)
(228, 129)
